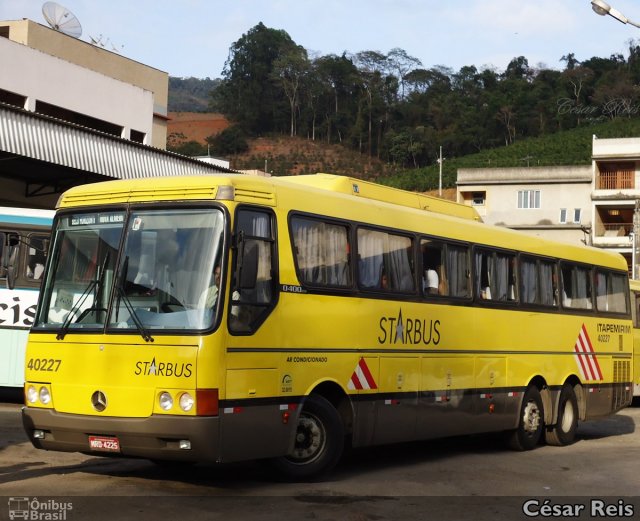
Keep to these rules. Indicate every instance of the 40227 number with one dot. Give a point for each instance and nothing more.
(44, 364)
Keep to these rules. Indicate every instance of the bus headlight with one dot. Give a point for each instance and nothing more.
(32, 394)
(44, 395)
(186, 402)
(166, 401)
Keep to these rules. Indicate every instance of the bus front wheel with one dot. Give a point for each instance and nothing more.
(319, 441)
(564, 431)
(531, 421)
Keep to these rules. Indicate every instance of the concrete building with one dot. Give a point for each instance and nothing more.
(74, 113)
(109, 69)
(598, 204)
(552, 202)
(615, 194)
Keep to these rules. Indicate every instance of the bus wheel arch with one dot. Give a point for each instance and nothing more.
(563, 429)
(531, 417)
(321, 429)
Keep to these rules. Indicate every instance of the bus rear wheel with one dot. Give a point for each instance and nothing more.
(564, 431)
(531, 422)
(319, 441)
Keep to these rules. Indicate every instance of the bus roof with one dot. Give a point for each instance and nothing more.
(345, 198)
(377, 192)
(27, 216)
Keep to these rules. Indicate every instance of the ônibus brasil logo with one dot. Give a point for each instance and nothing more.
(38, 510)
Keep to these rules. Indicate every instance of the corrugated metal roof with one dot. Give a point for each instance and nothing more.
(48, 139)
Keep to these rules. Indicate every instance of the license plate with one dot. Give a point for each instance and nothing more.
(104, 443)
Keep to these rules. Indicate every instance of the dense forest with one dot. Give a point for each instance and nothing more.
(387, 106)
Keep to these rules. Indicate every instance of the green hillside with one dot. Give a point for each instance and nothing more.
(570, 147)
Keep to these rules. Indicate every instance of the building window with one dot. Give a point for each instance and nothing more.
(478, 198)
(137, 136)
(563, 216)
(528, 199)
(577, 215)
(11, 98)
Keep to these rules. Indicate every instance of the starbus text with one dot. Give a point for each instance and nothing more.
(412, 331)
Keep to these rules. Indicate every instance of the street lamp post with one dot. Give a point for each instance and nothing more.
(632, 239)
(603, 9)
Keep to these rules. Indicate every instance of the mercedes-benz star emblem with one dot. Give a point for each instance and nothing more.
(99, 401)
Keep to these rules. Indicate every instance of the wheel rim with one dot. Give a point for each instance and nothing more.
(531, 418)
(311, 439)
(567, 417)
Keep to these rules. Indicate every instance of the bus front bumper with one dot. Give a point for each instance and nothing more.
(171, 438)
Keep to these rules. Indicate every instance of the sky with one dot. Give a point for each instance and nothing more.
(191, 38)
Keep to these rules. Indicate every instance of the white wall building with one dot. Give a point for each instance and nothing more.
(48, 84)
(552, 202)
(616, 189)
(597, 204)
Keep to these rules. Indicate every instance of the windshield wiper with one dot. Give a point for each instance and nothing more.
(127, 303)
(64, 328)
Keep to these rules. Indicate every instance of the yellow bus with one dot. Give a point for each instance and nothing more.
(231, 317)
(635, 310)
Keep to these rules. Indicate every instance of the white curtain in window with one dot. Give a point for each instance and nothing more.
(370, 251)
(321, 252)
(547, 290)
(400, 272)
(457, 270)
(529, 282)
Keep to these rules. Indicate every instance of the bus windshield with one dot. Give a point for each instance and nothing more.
(166, 277)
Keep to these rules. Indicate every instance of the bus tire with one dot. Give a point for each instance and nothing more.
(564, 431)
(531, 422)
(319, 441)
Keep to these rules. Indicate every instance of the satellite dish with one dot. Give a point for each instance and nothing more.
(61, 19)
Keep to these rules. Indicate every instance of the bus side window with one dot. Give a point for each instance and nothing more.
(36, 257)
(576, 286)
(610, 291)
(538, 281)
(434, 280)
(495, 275)
(10, 253)
(457, 272)
(385, 261)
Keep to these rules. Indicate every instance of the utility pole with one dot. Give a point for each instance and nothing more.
(440, 175)
(634, 242)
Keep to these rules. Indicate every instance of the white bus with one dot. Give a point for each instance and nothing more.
(24, 235)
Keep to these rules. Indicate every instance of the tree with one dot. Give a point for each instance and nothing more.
(230, 141)
(290, 70)
(247, 93)
(338, 87)
(570, 60)
(401, 64)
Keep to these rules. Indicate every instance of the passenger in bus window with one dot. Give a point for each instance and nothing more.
(432, 281)
(384, 280)
(209, 296)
